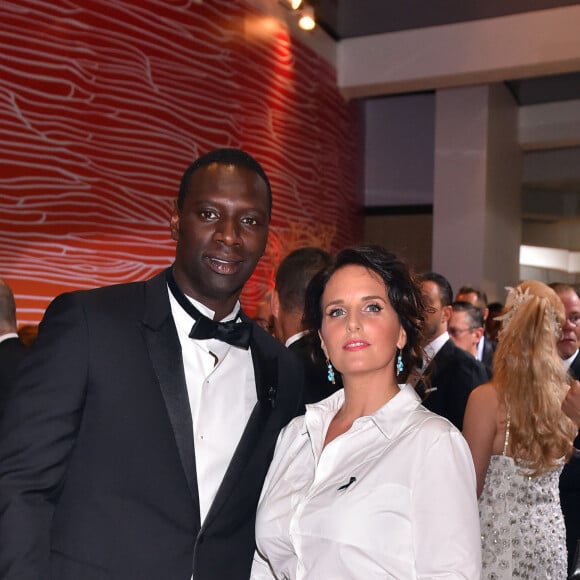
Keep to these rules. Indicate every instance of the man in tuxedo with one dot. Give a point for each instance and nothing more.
(293, 275)
(568, 348)
(465, 328)
(449, 373)
(12, 349)
(140, 430)
(486, 346)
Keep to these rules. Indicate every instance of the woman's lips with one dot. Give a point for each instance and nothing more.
(355, 345)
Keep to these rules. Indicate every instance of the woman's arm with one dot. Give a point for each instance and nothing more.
(480, 428)
(445, 516)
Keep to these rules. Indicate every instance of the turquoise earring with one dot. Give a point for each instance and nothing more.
(330, 372)
(400, 365)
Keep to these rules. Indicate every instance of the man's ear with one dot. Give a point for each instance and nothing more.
(446, 312)
(478, 333)
(275, 303)
(174, 222)
(485, 313)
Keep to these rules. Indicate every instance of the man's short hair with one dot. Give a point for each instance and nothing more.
(562, 288)
(480, 295)
(225, 156)
(295, 272)
(473, 313)
(445, 290)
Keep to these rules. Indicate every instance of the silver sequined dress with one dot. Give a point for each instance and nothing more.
(522, 527)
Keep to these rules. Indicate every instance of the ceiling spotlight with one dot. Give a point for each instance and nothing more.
(293, 4)
(306, 20)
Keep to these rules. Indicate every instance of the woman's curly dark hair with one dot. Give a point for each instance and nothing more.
(403, 291)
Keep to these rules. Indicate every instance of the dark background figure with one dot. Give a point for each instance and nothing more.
(486, 346)
(492, 326)
(135, 446)
(568, 349)
(451, 372)
(293, 276)
(12, 350)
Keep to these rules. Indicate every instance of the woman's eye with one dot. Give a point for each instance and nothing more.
(374, 307)
(335, 312)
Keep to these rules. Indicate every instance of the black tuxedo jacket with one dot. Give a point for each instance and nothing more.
(316, 385)
(12, 351)
(97, 462)
(570, 486)
(452, 374)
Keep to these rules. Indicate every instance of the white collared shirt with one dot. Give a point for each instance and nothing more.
(568, 361)
(295, 337)
(222, 394)
(479, 353)
(435, 346)
(393, 497)
(8, 335)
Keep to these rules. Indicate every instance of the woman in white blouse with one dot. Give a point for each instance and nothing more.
(368, 483)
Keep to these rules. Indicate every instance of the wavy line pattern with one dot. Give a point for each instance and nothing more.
(104, 103)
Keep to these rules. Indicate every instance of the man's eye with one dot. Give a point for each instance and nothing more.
(250, 221)
(207, 214)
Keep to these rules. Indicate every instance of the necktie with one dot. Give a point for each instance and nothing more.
(234, 333)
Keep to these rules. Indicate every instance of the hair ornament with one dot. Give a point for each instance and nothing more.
(514, 300)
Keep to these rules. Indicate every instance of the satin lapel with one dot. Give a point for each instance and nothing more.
(165, 353)
(266, 374)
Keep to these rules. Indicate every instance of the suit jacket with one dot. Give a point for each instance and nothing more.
(97, 462)
(489, 347)
(316, 385)
(570, 486)
(12, 351)
(453, 373)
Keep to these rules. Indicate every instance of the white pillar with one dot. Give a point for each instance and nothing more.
(477, 188)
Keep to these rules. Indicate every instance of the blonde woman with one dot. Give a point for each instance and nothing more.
(519, 438)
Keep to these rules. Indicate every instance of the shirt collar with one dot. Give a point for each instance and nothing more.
(435, 345)
(8, 335)
(390, 419)
(295, 338)
(568, 361)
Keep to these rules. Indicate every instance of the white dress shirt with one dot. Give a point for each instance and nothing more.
(568, 361)
(222, 394)
(393, 497)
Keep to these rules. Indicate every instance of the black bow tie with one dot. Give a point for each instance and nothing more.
(234, 333)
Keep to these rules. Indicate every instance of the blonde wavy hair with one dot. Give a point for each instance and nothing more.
(530, 377)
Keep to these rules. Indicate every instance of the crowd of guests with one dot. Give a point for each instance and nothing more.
(371, 424)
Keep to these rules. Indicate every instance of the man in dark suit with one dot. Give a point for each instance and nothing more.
(293, 275)
(135, 445)
(486, 346)
(12, 349)
(568, 348)
(450, 373)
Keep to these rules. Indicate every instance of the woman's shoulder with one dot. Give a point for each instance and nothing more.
(486, 395)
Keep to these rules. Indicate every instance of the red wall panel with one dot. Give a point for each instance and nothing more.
(104, 103)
